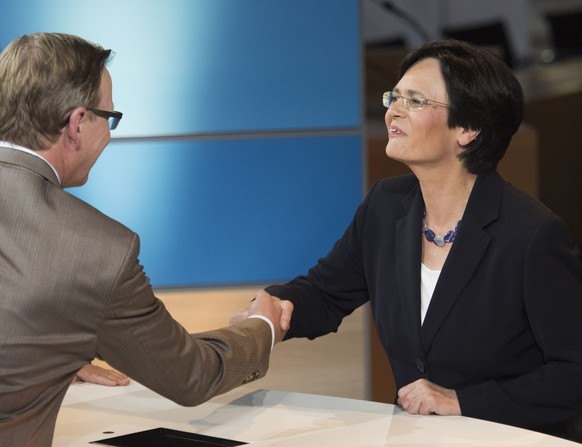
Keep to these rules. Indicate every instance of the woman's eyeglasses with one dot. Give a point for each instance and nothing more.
(414, 103)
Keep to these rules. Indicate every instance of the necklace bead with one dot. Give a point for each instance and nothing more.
(440, 241)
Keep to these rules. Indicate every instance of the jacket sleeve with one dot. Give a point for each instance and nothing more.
(552, 281)
(140, 338)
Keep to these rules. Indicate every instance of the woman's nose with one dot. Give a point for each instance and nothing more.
(396, 108)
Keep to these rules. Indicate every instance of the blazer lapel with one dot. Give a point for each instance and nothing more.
(408, 255)
(466, 253)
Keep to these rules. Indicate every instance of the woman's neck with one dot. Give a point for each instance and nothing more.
(445, 197)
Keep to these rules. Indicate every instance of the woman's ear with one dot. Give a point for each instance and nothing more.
(467, 136)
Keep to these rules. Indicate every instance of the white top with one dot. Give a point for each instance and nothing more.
(428, 281)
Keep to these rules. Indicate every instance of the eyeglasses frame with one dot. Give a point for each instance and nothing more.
(113, 117)
(387, 101)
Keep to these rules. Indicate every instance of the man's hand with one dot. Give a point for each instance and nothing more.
(424, 397)
(275, 309)
(95, 374)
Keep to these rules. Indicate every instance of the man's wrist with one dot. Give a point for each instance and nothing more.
(270, 325)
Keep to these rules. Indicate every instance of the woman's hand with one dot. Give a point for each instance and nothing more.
(424, 397)
(284, 307)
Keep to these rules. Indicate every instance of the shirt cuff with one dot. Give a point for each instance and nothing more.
(270, 325)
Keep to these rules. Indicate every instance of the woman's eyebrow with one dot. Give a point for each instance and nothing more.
(409, 92)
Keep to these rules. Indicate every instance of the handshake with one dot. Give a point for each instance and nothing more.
(276, 310)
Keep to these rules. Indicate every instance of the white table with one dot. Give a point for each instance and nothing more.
(276, 419)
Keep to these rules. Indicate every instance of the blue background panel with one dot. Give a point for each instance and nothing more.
(229, 211)
(211, 66)
(238, 159)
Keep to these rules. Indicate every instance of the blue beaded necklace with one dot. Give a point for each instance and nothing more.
(440, 241)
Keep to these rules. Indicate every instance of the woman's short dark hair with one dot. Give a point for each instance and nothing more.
(483, 93)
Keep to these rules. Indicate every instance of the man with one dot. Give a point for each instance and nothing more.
(72, 286)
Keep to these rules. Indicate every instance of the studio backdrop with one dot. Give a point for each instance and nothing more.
(239, 155)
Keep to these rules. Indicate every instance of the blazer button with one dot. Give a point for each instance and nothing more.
(420, 365)
(251, 378)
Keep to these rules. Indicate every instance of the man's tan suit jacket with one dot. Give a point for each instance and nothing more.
(72, 289)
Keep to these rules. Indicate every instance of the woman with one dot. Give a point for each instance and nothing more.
(475, 288)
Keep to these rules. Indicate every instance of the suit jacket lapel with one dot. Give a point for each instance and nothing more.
(408, 253)
(466, 252)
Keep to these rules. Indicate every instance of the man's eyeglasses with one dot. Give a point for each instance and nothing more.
(415, 103)
(113, 117)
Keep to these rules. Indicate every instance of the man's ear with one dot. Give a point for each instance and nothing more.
(467, 136)
(72, 131)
